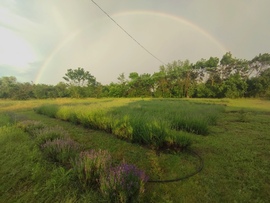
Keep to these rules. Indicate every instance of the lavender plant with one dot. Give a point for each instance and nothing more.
(124, 183)
(30, 126)
(49, 134)
(90, 166)
(60, 150)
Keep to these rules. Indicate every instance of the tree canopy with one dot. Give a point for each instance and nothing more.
(211, 78)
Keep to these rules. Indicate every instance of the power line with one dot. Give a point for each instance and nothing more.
(128, 33)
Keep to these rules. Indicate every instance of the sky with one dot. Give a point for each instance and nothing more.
(40, 40)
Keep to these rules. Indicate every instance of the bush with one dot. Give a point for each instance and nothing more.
(49, 110)
(60, 150)
(49, 134)
(124, 183)
(90, 165)
(30, 126)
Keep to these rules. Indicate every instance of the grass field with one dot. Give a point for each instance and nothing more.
(235, 148)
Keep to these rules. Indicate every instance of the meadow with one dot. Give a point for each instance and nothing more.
(45, 143)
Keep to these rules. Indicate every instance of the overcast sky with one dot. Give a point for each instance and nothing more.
(40, 40)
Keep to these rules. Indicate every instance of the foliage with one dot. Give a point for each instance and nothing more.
(235, 87)
(79, 77)
(123, 183)
(7, 85)
(49, 134)
(30, 126)
(259, 86)
(227, 59)
(262, 58)
(240, 136)
(210, 78)
(149, 123)
(60, 150)
(90, 166)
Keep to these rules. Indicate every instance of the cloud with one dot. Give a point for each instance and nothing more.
(45, 39)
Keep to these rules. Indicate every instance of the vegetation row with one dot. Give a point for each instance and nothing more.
(229, 77)
(92, 169)
(155, 123)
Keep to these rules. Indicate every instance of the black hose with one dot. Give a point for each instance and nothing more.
(200, 167)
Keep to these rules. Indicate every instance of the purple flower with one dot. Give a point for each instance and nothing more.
(125, 181)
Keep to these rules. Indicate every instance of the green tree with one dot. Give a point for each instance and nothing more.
(235, 86)
(212, 62)
(122, 81)
(114, 90)
(81, 83)
(79, 77)
(259, 86)
(264, 59)
(201, 64)
(40, 91)
(23, 91)
(227, 59)
(7, 86)
(62, 89)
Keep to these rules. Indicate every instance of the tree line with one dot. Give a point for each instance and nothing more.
(213, 78)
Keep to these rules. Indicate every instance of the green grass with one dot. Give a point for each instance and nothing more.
(236, 156)
(27, 177)
(155, 123)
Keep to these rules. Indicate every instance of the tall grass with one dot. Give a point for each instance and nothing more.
(156, 123)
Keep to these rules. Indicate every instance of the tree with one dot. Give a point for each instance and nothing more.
(79, 77)
(122, 84)
(23, 91)
(259, 86)
(227, 59)
(235, 86)
(262, 58)
(81, 83)
(41, 91)
(61, 89)
(212, 62)
(200, 64)
(7, 86)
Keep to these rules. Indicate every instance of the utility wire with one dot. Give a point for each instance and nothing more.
(128, 33)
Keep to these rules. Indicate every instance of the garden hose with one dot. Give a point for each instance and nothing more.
(200, 167)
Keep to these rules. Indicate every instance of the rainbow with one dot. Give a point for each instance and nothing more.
(57, 48)
(178, 19)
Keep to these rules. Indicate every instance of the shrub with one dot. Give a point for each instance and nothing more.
(30, 126)
(124, 183)
(61, 150)
(90, 165)
(49, 110)
(49, 134)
